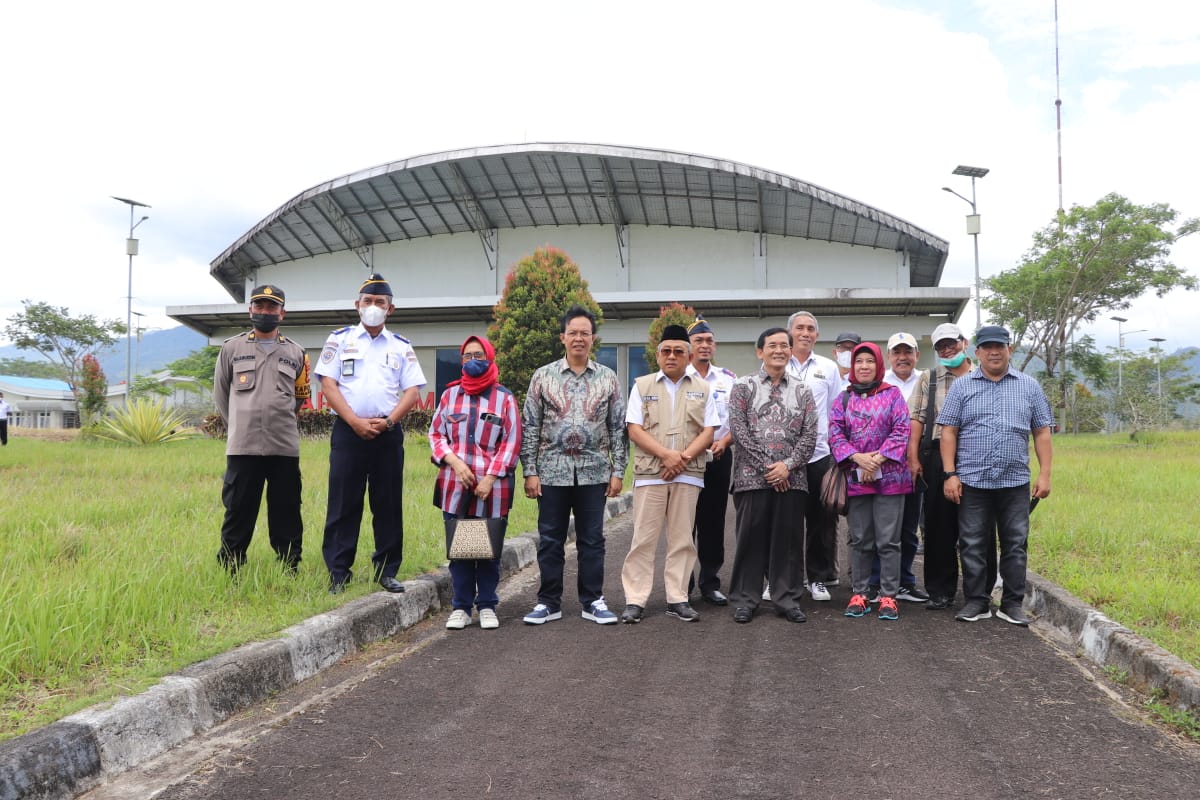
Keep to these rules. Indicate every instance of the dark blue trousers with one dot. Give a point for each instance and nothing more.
(374, 467)
(555, 507)
(241, 495)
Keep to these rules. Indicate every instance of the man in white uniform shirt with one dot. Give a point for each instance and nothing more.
(823, 379)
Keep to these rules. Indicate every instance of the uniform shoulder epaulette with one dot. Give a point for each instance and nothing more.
(236, 336)
(401, 338)
(341, 330)
(729, 372)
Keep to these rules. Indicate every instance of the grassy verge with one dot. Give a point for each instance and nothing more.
(109, 576)
(1119, 531)
(109, 573)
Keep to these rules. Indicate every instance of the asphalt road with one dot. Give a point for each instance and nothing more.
(924, 707)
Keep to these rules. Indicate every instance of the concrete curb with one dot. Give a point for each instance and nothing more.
(81, 751)
(1106, 643)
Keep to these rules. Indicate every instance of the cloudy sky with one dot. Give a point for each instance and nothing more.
(217, 113)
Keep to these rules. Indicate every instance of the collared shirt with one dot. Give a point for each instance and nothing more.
(720, 383)
(905, 387)
(483, 430)
(574, 426)
(770, 423)
(634, 414)
(822, 376)
(4, 409)
(918, 401)
(371, 371)
(257, 386)
(994, 421)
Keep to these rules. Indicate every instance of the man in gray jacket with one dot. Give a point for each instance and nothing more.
(260, 382)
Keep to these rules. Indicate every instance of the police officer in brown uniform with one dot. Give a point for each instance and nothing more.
(260, 382)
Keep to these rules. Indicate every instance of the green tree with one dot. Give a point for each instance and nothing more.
(538, 289)
(1140, 400)
(145, 387)
(31, 369)
(61, 338)
(94, 390)
(199, 364)
(672, 314)
(1093, 260)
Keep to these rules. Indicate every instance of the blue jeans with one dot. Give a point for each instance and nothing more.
(979, 513)
(554, 512)
(908, 542)
(475, 581)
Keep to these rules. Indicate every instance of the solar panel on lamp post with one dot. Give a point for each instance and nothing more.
(973, 228)
(131, 250)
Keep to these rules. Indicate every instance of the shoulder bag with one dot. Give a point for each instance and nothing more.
(833, 483)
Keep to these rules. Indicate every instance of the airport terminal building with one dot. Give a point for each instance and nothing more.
(744, 246)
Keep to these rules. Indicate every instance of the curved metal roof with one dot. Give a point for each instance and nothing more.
(523, 185)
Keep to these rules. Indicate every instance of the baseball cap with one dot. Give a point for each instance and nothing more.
(947, 330)
(992, 333)
(902, 338)
(848, 337)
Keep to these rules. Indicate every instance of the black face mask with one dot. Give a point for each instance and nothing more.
(265, 322)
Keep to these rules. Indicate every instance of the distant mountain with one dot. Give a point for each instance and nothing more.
(151, 354)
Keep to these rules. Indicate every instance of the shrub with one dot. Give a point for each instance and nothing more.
(537, 291)
(673, 314)
(144, 422)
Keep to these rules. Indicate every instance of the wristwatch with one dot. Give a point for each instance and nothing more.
(387, 423)
(951, 474)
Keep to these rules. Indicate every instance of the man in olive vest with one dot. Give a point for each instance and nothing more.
(670, 418)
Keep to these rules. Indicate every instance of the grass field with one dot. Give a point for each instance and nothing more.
(109, 575)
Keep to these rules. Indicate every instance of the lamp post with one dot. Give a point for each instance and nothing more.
(972, 228)
(1158, 340)
(131, 250)
(1121, 350)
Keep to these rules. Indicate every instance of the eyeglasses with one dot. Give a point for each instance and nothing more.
(578, 334)
(678, 352)
(946, 346)
(777, 346)
(474, 355)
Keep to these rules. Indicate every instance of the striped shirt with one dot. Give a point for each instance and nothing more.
(484, 431)
(994, 421)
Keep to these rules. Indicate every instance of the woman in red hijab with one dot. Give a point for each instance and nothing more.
(868, 435)
(476, 439)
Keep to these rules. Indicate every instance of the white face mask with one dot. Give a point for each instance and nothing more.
(372, 316)
(843, 358)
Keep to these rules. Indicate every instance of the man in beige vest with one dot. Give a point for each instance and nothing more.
(670, 418)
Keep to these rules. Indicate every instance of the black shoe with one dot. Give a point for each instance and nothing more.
(742, 614)
(391, 584)
(632, 614)
(795, 615)
(337, 587)
(974, 611)
(1013, 614)
(911, 594)
(939, 602)
(873, 595)
(683, 611)
(715, 597)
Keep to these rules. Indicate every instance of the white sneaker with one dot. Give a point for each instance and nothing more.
(488, 619)
(819, 592)
(766, 591)
(458, 620)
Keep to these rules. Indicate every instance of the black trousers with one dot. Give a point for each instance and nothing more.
(241, 495)
(768, 544)
(3, 431)
(820, 527)
(709, 530)
(373, 467)
(941, 536)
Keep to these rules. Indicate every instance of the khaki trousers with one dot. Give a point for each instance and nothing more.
(672, 505)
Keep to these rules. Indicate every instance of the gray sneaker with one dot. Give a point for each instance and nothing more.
(974, 611)
(1014, 614)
